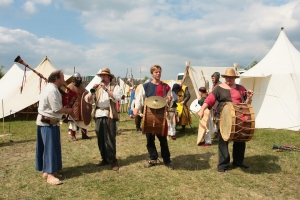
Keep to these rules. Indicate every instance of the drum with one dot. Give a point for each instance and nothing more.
(203, 126)
(195, 107)
(154, 115)
(237, 122)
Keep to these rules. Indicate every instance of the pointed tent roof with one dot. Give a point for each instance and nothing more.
(283, 58)
(124, 87)
(95, 80)
(275, 81)
(31, 90)
(196, 76)
(12, 78)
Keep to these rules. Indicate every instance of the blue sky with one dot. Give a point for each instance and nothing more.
(132, 35)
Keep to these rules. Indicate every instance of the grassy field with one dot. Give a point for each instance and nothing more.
(271, 175)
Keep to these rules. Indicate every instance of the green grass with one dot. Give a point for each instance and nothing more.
(271, 175)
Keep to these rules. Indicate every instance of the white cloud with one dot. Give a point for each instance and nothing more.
(4, 3)
(30, 6)
(138, 34)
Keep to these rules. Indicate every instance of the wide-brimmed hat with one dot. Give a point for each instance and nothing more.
(230, 73)
(106, 71)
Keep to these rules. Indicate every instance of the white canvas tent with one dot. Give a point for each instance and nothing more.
(17, 101)
(194, 79)
(275, 81)
(124, 86)
(11, 80)
(95, 80)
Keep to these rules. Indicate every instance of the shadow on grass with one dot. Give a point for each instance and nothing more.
(121, 130)
(11, 142)
(187, 132)
(75, 171)
(192, 162)
(133, 159)
(262, 164)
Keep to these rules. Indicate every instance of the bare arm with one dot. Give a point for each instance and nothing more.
(249, 97)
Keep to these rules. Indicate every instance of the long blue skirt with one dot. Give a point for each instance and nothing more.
(48, 149)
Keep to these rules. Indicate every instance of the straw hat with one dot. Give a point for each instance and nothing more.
(105, 71)
(230, 73)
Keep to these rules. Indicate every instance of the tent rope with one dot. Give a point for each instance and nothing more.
(297, 82)
(262, 49)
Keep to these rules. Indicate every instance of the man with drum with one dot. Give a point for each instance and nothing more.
(77, 118)
(228, 92)
(155, 88)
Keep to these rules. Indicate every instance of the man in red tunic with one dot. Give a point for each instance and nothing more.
(228, 92)
(155, 88)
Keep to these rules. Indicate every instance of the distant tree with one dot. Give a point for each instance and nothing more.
(1, 72)
(146, 78)
(252, 64)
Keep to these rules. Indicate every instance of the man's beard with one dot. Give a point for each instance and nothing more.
(77, 83)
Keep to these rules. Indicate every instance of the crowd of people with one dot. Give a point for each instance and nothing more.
(106, 95)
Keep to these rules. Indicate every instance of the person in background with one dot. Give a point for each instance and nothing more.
(155, 88)
(172, 115)
(77, 87)
(131, 92)
(183, 110)
(48, 147)
(215, 78)
(207, 136)
(106, 116)
(138, 118)
(228, 92)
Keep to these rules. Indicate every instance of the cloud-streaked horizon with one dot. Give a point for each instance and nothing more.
(130, 35)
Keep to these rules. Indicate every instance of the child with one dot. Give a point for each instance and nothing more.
(207, 136)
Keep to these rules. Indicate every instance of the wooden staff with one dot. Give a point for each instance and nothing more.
(71, 95)
(206, 86)
(19, 60)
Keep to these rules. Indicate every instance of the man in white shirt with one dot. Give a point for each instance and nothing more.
(106, 95)
(48, 146)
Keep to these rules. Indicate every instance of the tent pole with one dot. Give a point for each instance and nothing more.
(3, 115)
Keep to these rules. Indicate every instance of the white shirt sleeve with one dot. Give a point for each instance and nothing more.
(117, 94)
(139, 99)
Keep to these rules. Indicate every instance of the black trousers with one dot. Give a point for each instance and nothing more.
(138, 120)
(106, 138)
(238, 152)
(153, 155)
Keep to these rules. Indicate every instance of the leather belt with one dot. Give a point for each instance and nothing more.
(49, 120)
(102, 108)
